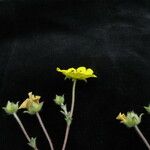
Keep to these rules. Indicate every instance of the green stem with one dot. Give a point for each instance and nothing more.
(45, 131)
(22, 128)
(71, 115)
(73, 97)
(142, 137)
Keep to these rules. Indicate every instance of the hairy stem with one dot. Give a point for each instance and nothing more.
(142, 137)
(45, 131)
(22, 127)
(71, 114)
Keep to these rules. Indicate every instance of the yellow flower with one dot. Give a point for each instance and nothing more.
(121, 117)
(29, 101)
(81, 73)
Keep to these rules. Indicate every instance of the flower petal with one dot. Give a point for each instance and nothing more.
(81, 73)
(24, 104)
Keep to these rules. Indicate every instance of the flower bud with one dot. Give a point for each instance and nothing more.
(59, 100)
(32, 143)
(147, 108)
(11, 107)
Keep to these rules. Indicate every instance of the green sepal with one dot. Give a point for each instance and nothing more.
(34, 108)
(32, 143)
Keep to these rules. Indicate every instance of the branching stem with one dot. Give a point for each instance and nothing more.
(71, 114)
(22, 128)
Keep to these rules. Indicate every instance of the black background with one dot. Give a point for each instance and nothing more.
(110, 36)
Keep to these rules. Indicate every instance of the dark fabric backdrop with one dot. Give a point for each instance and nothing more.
(110, 36)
